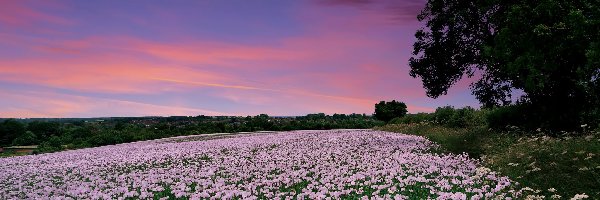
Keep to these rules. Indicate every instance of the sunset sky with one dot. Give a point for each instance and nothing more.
(220, 57)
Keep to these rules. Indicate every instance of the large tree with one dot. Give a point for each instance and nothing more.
(548, 50)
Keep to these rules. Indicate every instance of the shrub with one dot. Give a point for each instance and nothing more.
(591, 119)
(529, 117)
(502, 117)
(412, 118)
(458, 118)
(53, 144)
(442, 115)
(462, 117)
(453, 140)
(480, 117)
(28, 138)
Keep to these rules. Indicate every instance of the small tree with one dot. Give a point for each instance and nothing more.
(386, 111)
(443, 115)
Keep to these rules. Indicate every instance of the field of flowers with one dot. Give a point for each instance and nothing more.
(346, 164)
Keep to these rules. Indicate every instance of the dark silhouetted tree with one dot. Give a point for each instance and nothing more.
(386, 111)
(548, 49)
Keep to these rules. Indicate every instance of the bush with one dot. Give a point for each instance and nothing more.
(529, 117)
(458, 118)
(453, 140)
(79, 132)
(442, 115)
(502, 118)
(591, 118)
(53, 144)
(28, 138)
(462, 118)
(413, 118)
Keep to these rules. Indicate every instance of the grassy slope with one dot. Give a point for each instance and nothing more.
(569, 164)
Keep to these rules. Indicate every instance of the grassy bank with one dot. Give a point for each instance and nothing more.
(563, 166)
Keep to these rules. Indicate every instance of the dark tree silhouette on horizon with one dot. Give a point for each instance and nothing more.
(386, 111)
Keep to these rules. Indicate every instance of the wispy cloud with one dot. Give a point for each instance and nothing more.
(21, 14)
(288, 91)
(30, 104)
(241, 87)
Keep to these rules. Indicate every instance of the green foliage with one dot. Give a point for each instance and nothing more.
(447, 116)
(504, 117)
(53, 144)
(454, 140)
(591, 118)
(27, 138)
(463, 117)
(44, 130)
(443, 115)
(81, 132)
(259, 123)
(549, 50)
(525, 116)
(412, 118)
(568, 164)
(386, 111)
(10, 129)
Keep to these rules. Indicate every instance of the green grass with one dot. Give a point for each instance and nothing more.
(453, 140)
(569, 164)
(8, 153)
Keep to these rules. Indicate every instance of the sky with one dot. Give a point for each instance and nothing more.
(218, 57)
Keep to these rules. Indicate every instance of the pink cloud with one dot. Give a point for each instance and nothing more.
(212, 52)
(46, 104)
(287, 91)
(21, 14)
(112, 74)
(115, 64)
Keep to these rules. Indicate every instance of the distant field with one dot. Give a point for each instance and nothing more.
(347, 164)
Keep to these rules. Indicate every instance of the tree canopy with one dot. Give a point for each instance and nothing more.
(386, 111)
(9, 130)
(549, 50)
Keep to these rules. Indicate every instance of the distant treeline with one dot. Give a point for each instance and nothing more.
(56, 134)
